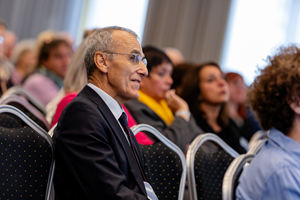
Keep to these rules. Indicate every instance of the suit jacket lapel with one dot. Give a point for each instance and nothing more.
(111, 120)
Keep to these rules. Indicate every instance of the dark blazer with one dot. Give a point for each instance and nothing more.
(180, 132)
(93, 157)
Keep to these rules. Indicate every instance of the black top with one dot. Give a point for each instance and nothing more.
(230, 134)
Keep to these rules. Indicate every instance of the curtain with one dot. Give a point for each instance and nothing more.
(196, 27)
(27, 18)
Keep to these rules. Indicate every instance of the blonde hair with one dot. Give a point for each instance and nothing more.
(76, 78)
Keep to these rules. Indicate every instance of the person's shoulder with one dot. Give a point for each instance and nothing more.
(39, 80)
(35, 78)
(135, 105)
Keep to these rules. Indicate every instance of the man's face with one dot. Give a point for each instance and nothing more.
(59, 60)
(124, 75)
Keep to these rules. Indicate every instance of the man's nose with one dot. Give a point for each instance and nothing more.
(143, 69)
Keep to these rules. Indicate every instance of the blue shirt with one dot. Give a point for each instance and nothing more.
(274, 173)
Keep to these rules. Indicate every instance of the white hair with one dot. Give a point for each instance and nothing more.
(100, 40)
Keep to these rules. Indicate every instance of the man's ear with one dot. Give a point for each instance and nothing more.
(295, 106)
(100, 60)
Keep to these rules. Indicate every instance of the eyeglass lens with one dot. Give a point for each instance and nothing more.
(138, 59)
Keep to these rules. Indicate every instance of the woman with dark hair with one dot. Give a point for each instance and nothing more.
(206, 91)
(53, 60)
(157, 102)
(178, 73)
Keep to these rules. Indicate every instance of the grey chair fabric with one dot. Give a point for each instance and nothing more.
(206, 166)
(27, 162)
(165, 165)
(232, 175)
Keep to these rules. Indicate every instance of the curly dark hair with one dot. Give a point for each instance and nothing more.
(276, 88)
(190, 92)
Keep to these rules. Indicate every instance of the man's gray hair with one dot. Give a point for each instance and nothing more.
(101, 40)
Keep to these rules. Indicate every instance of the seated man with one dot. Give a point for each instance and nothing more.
(97, 156)
(274, 173)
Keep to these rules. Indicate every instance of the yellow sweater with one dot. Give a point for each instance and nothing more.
(161, 108)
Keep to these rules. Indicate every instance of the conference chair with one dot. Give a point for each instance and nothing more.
(26, 156)
(19, 91)
(231, 177)
(256, 146)
(208, 158)
(22, 104)
(258, 135)
(165, 165)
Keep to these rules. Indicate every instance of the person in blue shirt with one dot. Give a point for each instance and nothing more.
(274, 173)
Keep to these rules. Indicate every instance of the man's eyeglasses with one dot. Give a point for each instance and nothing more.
(136, 58)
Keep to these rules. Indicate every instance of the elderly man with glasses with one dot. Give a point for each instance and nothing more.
(97, 156)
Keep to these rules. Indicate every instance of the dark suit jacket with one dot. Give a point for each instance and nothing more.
(93, 157)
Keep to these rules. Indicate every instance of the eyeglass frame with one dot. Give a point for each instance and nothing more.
(144, 60)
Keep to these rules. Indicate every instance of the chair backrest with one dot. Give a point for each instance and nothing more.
(51, 131)
(9, 121)
(256, 146)
(232, 175)
(165, 165)
(18, 90)
(206, 168)
(258, 135)
(23, 105)
(27, 161)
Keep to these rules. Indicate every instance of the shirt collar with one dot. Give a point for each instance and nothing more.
(285, 142)
(112, 104)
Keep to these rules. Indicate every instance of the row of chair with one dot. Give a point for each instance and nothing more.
(213, 167)
(27, 162)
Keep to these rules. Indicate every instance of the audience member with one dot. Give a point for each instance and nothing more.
(6, 67)
(237, 109)
(74, 82)
(53, 60)
(10, 40)
(206, 91)
(24, 59)
(175, 55)
(178, 73)
(44, 37)
(274, 173)
(97, 156)
(76, 71)
(157, 102)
